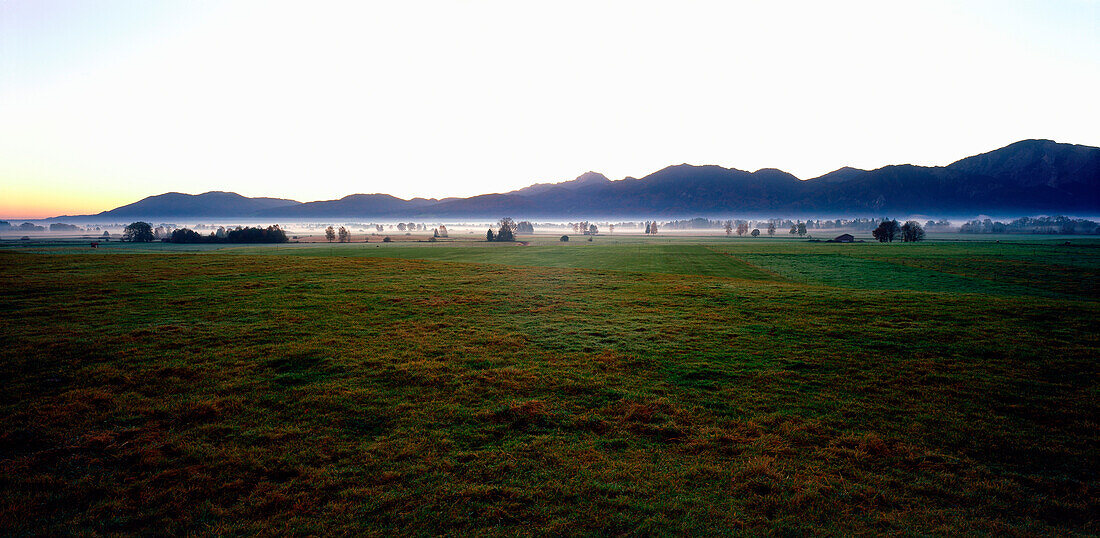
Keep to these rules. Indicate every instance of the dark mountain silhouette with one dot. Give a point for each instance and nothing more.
(839, 175)
(208, 204)
(586, 179)
(1031, 163)
(1027, 177)
(351, 206)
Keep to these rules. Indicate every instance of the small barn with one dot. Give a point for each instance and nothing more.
(843, 238)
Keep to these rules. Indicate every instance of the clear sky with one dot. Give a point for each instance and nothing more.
(105, 102)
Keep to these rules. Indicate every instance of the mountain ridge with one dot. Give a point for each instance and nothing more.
(1024, 177)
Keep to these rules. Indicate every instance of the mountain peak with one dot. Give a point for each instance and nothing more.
(589, 177)
(1035, 162)
(774, 174)
(841, 174)
(207, 204)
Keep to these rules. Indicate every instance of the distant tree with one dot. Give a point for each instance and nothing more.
(610, 229)
(525, 227)
(400, 226)
(771, 228)
(794, 229)
(911, 232)
(411, 227)
(507, 230)
(489, 236)
(185, 235)
(564, 239)
(138, 232)
(728, 225)
(930, 224)
(345, 235)
(756, 232)
(386, 239)
(379, 228)
(801, 229)
(653, 228)
(593, 230)
(106, 235)
(435, 233)
(887, 230)
(442, 231)
(647, 227)
(330, 234)
(221, 233)
(271, 234)
(742, 228)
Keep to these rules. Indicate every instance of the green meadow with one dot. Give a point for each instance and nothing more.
(628, 385)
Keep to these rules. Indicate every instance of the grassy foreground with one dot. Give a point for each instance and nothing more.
(672, 388)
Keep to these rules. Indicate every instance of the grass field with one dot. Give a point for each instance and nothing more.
(624, 386)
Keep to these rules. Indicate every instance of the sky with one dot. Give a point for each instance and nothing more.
(105, 102)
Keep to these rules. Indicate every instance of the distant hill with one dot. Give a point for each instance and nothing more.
(586, 179)
(1024, 177)
(351, 206)
(840, 175)
(208, 204)
(1027, 177)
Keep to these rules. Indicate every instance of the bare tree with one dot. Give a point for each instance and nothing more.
(330, 234)
(507, 230)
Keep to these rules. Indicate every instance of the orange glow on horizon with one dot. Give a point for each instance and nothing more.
(47, 202)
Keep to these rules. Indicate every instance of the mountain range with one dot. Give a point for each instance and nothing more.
(1027, 177)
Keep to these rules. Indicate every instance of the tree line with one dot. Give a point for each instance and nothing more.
(888, 230)
(142, 232)
(1032, 225)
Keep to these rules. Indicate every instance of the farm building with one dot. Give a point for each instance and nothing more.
(843, 238)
